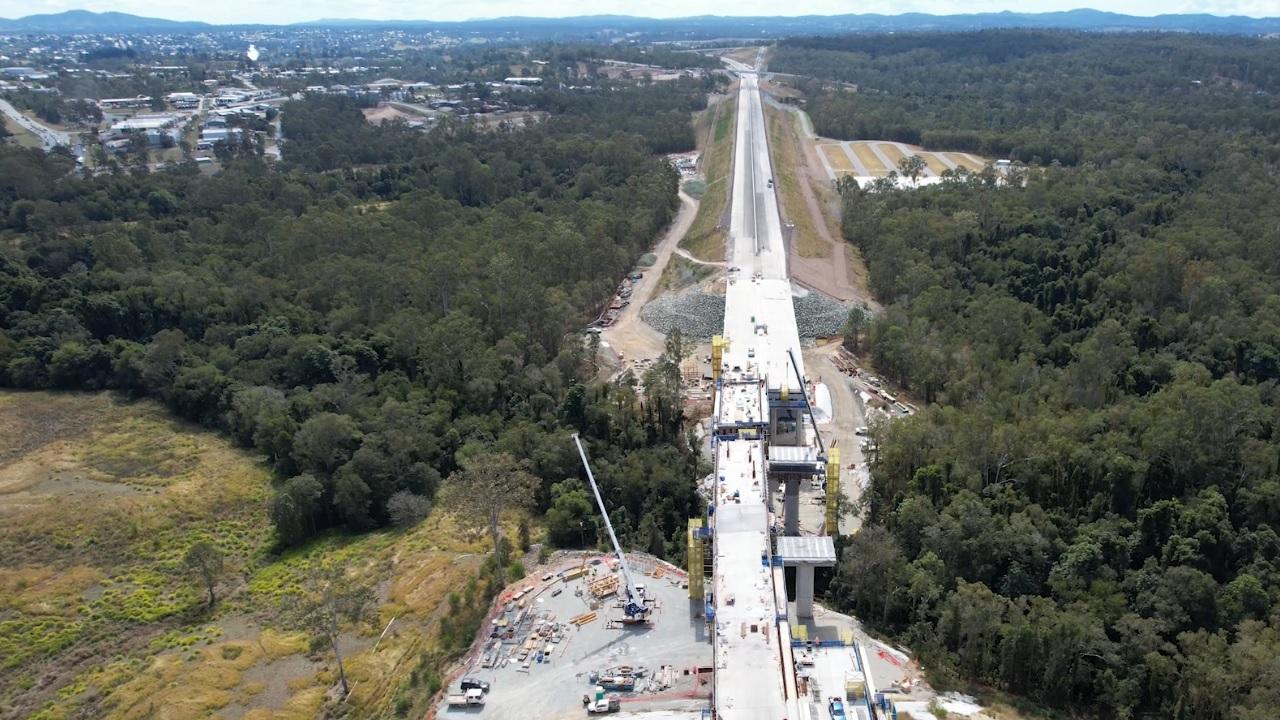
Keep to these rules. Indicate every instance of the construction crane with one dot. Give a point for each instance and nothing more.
(636, 609)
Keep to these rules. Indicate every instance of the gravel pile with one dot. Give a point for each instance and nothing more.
(700, 315)
(697, 314)
(819, 316)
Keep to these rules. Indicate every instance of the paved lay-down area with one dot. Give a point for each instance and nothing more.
(551, 641)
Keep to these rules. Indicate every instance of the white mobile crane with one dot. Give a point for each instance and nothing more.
(636, 609)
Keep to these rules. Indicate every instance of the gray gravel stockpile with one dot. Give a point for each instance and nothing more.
(819, 316)
(700, 315)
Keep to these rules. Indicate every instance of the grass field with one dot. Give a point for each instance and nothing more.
(892, 152)
(20, 134)
(716, 130)
(836, 157)
(100, 498)
(934, 162)
(784, 145)
(963, 160)
(868, 158)
(682, 272)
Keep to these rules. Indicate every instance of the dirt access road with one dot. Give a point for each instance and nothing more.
(847, 415)
(839, 273)
(631, 338)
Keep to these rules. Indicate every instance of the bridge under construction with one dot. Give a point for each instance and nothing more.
(768, 665)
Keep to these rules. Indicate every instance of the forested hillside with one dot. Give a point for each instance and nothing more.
(328, 132)
(369, 330)
(1037, 96)
(1087, 511)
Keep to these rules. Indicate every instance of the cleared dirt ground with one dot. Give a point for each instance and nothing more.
(819, 256)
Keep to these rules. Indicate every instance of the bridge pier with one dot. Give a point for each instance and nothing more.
(791, 506)
(804, 591)
(804, 554)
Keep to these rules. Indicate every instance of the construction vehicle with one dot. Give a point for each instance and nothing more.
(603, 706)
(622, 683)
(471, 698)
(599, 704)
(636, 609)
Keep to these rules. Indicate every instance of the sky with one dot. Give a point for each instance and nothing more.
(287, 11)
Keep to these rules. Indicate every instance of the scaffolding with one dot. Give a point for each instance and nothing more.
(832, 524)
(695, 542)
(718, 345)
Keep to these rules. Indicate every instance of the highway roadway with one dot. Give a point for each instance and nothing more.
(49, 138)
(754, 679)
(759, 319)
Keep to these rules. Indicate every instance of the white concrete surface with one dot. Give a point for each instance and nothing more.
(760, 319)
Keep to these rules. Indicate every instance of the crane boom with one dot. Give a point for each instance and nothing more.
(635, 606)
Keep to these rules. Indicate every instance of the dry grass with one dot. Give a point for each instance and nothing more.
(98, 619)
(836, 157)
(788, 169)
(20, 135)
(965, 160)
(717, 126)
(892, 152)
(935, 164)
(746, 55)
(869, 159)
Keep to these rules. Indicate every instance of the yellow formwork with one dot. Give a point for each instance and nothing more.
(718, 345)
(695, 559)
(833, 492)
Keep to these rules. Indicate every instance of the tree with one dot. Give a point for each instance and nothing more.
(853, 326)
(406, 509)
(206, 561)
(330, 599)
(487, 485)
(571, 519)
(325, 442)
(912, 166)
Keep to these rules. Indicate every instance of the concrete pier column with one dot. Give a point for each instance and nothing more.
(804, 591)
(791, 507)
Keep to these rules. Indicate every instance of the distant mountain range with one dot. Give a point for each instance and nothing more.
(84, 21)
(700, 27)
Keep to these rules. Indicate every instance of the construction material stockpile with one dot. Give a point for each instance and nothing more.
(699, 315)
(819, 316)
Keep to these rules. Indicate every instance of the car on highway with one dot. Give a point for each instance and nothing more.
(862, 430)
(836, 708)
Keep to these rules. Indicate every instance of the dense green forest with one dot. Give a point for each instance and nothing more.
(328, 131)
(368, 330)
(1086, 513)
(1035, 96)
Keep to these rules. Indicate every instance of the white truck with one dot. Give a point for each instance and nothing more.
(603, 706)
(473, 697)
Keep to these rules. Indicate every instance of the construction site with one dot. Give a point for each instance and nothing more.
(556, 646)
(735, 634)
